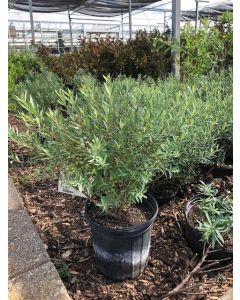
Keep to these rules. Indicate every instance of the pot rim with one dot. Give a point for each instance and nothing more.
(131, 229)
(190, 204)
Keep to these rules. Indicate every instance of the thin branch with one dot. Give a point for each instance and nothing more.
(185, 289)
(198, 294)
(216, 269)
(195, 270)
(219, 260)
(84, 259)
(208, 265)
(84, 229)
(189, 264)
(176, 220)
(212, 251)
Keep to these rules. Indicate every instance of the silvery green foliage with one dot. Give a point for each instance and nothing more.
(118, 135)
(41, 87)
(80, 79)
(217, 215)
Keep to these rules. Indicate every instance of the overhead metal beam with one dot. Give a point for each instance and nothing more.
(96, 20)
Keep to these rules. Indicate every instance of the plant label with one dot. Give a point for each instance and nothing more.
(66, 189)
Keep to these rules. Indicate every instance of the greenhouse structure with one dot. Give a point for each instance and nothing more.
(73, 27)
(120, 150)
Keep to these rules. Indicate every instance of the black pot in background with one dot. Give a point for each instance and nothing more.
(164, 193)
(163, 198)
(122, 253)
(222, 171)
(218, 171)
(193, 236)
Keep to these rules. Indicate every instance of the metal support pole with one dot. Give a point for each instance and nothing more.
(24, 35)
(41, 32)
(122, 26)
(70, 27)
(9, 39)
(130, 17)
(58, 43)
(164, 21)
(176, 9)
(197, 15)
(84, 31)
(31, 20)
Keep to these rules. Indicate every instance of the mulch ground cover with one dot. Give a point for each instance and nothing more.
(59, 219)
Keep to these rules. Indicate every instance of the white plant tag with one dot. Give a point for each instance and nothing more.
(66, 189)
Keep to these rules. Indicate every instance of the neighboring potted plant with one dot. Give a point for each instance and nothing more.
(222, 165)
(209, 219)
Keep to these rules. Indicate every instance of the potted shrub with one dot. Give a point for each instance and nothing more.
(209, 219)
(108, 148)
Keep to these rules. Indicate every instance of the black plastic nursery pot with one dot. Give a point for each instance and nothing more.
(164, 194)
(219, 171)
(122, 253)
(163, 198)
(194, 237)
(222, 171)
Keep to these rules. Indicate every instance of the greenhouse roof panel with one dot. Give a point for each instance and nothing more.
(89, 7)
(209, 11)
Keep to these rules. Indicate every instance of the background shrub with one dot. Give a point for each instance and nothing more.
(149, 53)
(42, 87)
(19, 66)
(101, 57)
(207, 121)
(208, 49)
(215, 91)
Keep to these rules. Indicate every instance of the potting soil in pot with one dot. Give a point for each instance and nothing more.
(124, 217)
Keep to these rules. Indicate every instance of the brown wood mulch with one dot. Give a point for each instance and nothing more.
(61, 225)
(59, 219)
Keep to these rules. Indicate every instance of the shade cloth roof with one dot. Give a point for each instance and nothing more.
(210, 11)
(88, 7)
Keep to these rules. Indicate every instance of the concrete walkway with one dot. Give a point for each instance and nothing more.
(32, 275)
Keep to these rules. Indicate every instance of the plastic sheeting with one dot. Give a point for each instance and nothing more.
(89, 7)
